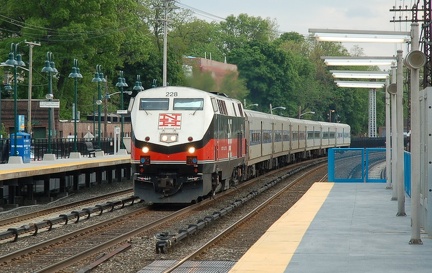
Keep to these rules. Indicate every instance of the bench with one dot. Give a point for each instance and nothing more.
(90, 149)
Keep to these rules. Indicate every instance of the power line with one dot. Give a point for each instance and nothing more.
(200, 12)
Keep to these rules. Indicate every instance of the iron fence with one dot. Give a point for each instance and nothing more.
(61, 147)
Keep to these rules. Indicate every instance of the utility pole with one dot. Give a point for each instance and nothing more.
(29, 106)
(167, 4)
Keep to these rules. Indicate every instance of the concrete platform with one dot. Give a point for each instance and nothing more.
(343, 227)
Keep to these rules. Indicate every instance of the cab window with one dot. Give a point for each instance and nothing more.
(188, 104)
(154, 104)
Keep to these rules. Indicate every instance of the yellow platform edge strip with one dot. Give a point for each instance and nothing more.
(274, 250)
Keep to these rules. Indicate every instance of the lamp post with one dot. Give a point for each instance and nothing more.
(107, 97)
(8, 88)
(247, 106)
(75, 74)
(305, 113)
(50, 69)
(250, 105)
(99, 78)
(274, 108)
(138, 84)
(15, 61)
(121, 83)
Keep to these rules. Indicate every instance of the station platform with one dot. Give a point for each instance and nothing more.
(340, 227)
(11, 170)
(48, 179)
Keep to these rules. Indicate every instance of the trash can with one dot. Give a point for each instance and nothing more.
(23, 143)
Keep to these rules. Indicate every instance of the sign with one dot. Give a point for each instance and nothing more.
(49, 104)
(122, 112)
(21, 124)
(170, 120)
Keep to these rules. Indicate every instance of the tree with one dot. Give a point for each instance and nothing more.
(237, 31)
(108, 33)
(268, 72)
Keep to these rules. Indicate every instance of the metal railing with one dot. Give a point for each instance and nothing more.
(61, 147)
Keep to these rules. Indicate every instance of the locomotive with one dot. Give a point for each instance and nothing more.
(188, 144)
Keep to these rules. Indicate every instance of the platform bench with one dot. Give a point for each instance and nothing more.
(90, 149)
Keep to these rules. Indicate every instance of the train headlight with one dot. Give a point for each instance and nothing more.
(145, 149)
(191, 150)
(168, 138)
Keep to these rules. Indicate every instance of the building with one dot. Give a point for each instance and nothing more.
(61, 128)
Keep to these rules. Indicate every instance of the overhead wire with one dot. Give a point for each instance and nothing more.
(54, 35)
(200, 12)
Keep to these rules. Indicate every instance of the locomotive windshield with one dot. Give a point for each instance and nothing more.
(154, 104)
(188, 104)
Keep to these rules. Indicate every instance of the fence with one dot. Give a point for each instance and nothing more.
(363, 165)
(61, 147)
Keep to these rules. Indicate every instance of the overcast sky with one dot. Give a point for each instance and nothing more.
(300, 16)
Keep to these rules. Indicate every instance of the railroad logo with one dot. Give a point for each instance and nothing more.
(170, 120)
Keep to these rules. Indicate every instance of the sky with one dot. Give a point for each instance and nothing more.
(300, 16)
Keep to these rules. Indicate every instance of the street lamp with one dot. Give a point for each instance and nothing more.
(50, 69)
(120, 84)
(99, 78)
(108, 96)
(15, 61)
(247, 106)
(305, 113)
(75, 74)
(138, 85)
(250, 105)
(8, 88)
(274, 108)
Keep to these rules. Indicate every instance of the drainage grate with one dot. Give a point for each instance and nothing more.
(189, 266)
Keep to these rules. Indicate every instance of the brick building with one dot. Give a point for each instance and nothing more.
(62, 128)
(218, 70)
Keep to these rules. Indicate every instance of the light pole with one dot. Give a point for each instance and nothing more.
(247, 106)
(305, 113)
(138, 84)
(121, 83)
(30, 80)
(15, 61)
(75, 74)
(275, 108)
(8, 88)
(50, 69)
(99, 78)
(108, 96)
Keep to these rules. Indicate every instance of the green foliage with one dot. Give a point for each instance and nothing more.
(201, 80)
(127, 35)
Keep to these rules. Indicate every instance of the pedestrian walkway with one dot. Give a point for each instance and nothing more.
(10, 170)
(20, 182)
(342, 227)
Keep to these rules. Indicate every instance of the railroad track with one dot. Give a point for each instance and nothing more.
(237, 229)
(44, 212)
(82, 248)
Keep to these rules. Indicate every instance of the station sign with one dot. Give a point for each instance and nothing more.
(122, 112)
(49, 104)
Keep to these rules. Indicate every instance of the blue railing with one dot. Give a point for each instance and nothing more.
(350, 165)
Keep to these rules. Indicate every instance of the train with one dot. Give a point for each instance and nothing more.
(188, 144)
